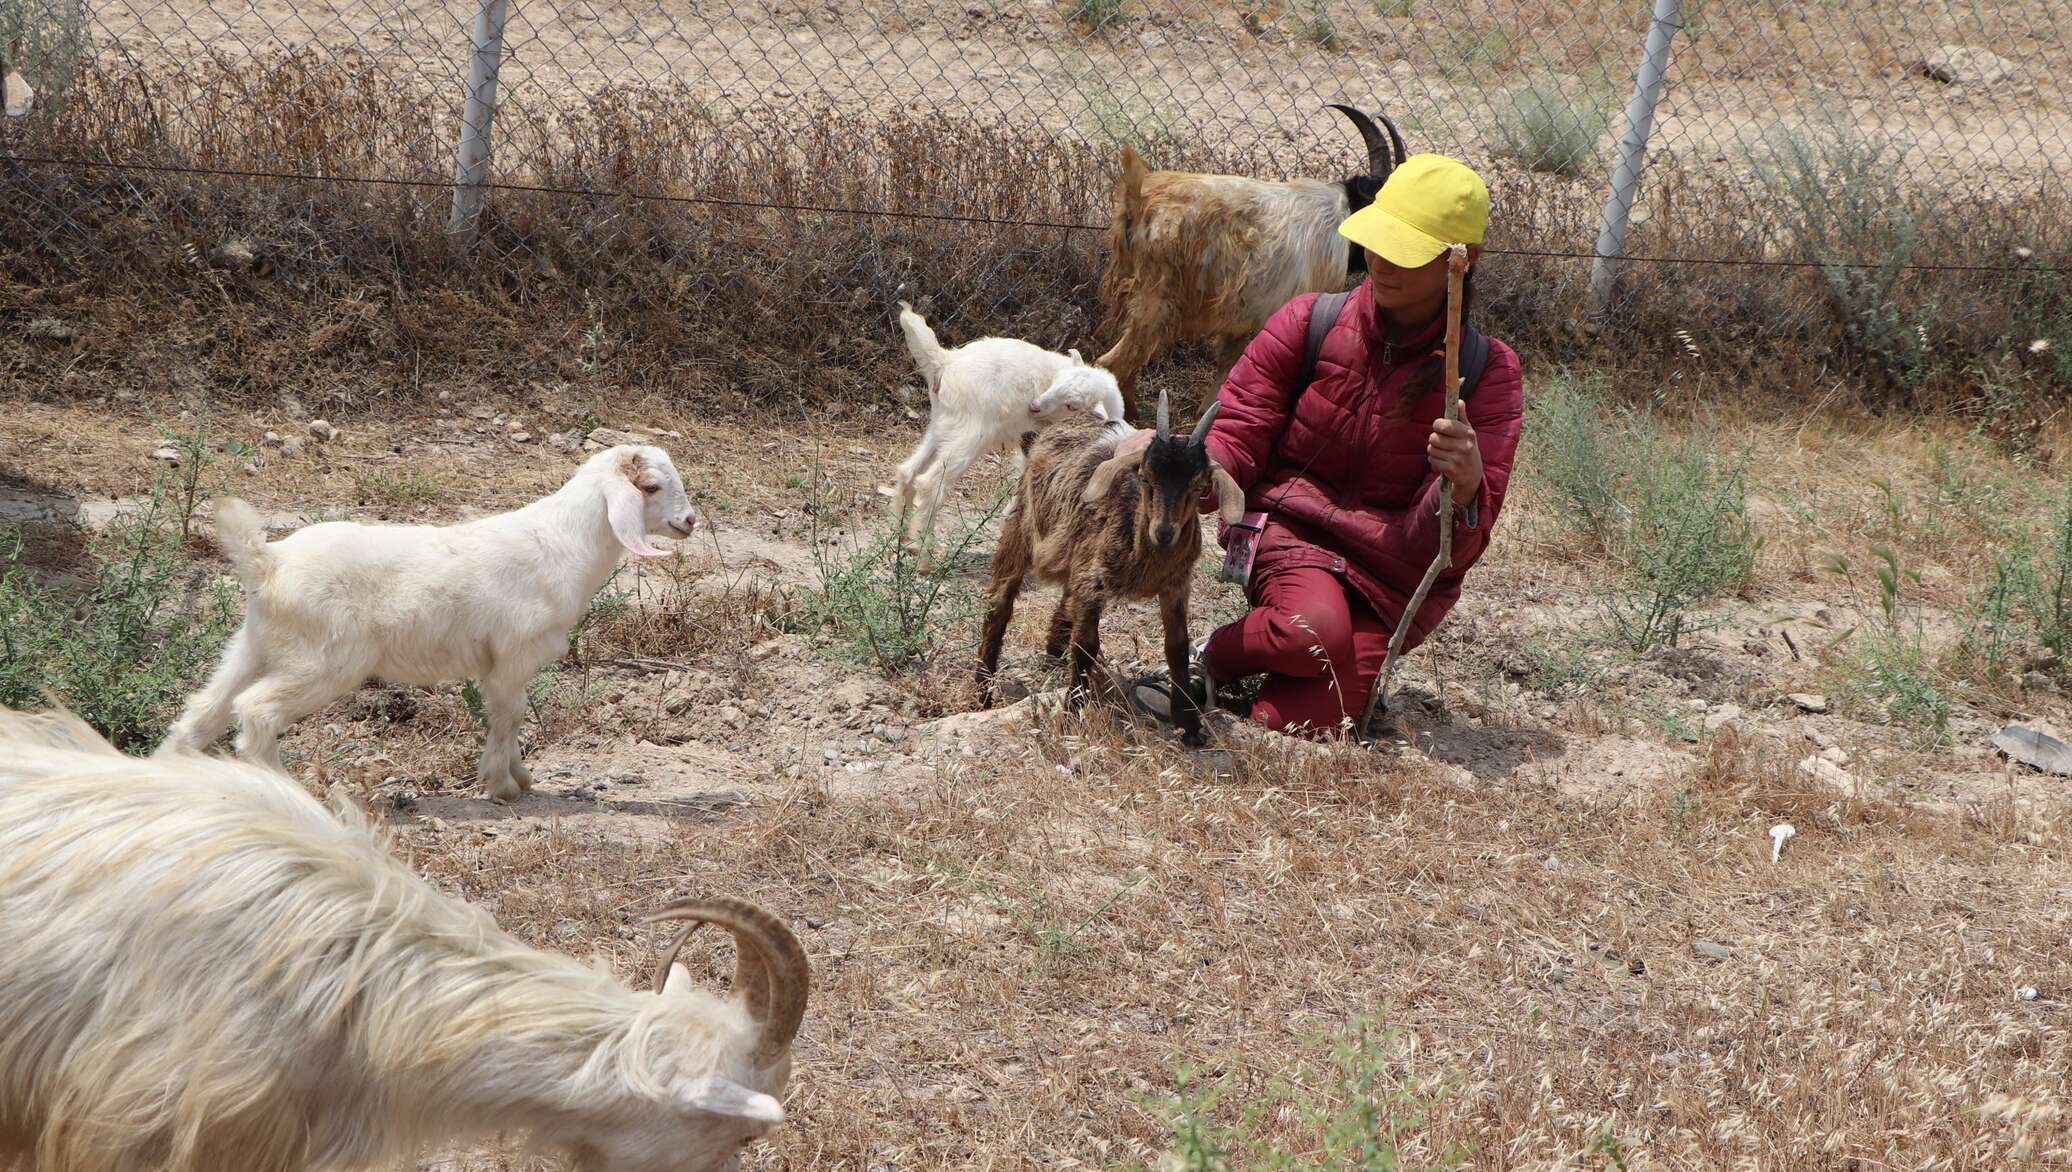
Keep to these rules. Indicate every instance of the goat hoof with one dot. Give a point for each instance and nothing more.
(1193, 738)
(502, 790)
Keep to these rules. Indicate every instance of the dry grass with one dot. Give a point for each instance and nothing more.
(359, 302)
(1011, 966)
(1017, 949)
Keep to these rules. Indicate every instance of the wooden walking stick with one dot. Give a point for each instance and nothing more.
(1377, 699)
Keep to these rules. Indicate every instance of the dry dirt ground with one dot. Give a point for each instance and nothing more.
(1026, 925)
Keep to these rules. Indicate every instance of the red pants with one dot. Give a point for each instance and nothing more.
(1319, 644)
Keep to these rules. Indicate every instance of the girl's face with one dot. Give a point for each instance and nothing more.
(1411, 295)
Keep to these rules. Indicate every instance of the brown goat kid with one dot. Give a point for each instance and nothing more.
(1108, 528)
(1213, 256)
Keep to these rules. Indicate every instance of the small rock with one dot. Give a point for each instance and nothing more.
(50, 329)
(1836, 754)
(831, 756)
(1721, 717)
(169, 455)
(446, 396)
(2036, 681)
(678, 703)
(291, 446)
(1552, 863)
(1966, 65)
(235, 254)
(1711, 951)
(1808, 702)
(607, 437)
(521, 437)
(1823, 770)
(271, 439)
(321, 431)
(733, 717)
(21, 98)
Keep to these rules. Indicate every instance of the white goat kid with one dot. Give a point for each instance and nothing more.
(982, 396)
(492, 600)
(205, 970)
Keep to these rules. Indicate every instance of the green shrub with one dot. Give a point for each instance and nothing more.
(1574, 455)
(1356, 1109)
(1318, 27)
(1842, 204)
(1094, 15)
(887, 610)
(123, 648)
(1688, 538)
(1548, 130)
(1671, 514)
(1886, 671)
(2023, 612)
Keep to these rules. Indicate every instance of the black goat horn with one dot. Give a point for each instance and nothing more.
(1201, 426)
(1382, 155)
(1165, 415)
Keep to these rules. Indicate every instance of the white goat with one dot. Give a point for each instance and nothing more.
(205, 970)
(492, 600)
(981, 397)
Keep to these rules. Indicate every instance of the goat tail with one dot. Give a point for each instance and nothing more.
(928, 353)
(241, 535)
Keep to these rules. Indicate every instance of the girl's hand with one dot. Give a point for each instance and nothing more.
(1455, 455)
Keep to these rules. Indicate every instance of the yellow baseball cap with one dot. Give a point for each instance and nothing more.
(1428, 203)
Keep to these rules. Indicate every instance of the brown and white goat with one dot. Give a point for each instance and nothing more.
(1213, 256)
(1108, 528)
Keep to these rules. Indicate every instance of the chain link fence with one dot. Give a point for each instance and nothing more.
(963, 152)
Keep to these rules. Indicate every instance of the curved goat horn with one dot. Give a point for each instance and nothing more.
(1165, 415)
(770, 967)
(1201, 426)
(1382, 156)
(1378, 163)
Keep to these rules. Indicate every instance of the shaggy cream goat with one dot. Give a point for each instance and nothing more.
(981, 397)
(1213, 256)
(204, 970)
(491, 600)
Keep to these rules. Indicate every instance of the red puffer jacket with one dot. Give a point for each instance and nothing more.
(1345, 486)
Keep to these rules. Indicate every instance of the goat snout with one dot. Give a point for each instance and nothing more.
(682, 526)
(1165, 534)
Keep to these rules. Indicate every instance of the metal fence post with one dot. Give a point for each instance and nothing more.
(471, 157)
(1633, 149)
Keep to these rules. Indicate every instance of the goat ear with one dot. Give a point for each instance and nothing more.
(626, 508)
(678, 980)
(1102, 482)
(1230, 499)
(724, 1096)
(1076, 359)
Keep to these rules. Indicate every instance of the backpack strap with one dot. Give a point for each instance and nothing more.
(1323, 314)
(1474, 358)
